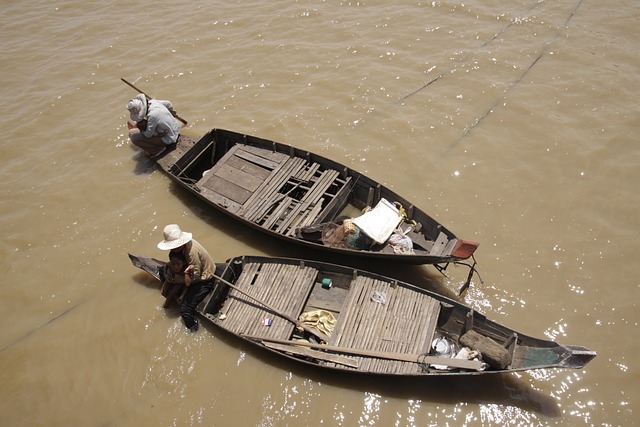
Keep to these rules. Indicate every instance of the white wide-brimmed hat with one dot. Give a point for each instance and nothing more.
(174, 238)
(137, 107)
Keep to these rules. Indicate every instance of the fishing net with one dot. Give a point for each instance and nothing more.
(345, 235)
(333, 235)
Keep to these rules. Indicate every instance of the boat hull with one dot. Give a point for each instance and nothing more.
(307, 199)
(338, 318)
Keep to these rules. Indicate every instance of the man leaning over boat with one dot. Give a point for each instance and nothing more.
(152, 125)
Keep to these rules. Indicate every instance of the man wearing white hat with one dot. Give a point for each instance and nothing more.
(201, 269)
(152, 125)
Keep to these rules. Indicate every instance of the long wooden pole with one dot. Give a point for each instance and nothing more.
(404, 357)
(148, 97)
(295, 321)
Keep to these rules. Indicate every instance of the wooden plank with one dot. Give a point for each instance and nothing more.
(271, 185)
(413, 358)
(284, 288)
(430, 330)
(257, 215)
(308, 173)
(376, 312)
(404, 322)
(439, 245)
(312, 196)
(419, 239)
(266, 153)
(320, 355)
(264, 189)
(232, 305)
(419, 321)
(221, 200)
(251, 313)
(257, 157)
(354, 313)
(238, 177)
(304, 285)
(266, 289)
(447, 249)
(337, 203)
(305, 218)
(358, 315)
(387, 331)
(277, 213)
(245, 166)
(346, 312)
(326, 299)
(395, 333)
(219, 163)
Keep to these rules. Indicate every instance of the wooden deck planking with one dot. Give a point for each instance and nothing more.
(219, 163)
(305, 218)
(270, 186)
(404, 324)
(230, 304)
(250, 181)
(246, 166)
(386, 342)
(230, 188)
(280, 210)
(395, 331)
(239, 177)
(236, 176)
(353, 321)
(337, 202)
(285, 288)
(312, 196)
(327, 299)
(369, 338)
(221, 200)
(267, 158)
(308, 173)
(247, 314)
(183, 144)
(347, 309)
(265, 187)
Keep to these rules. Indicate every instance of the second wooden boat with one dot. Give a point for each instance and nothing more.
(349, 320)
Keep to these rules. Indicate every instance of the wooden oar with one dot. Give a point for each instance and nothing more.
(295, 321)
(148, 97)
(403, 357)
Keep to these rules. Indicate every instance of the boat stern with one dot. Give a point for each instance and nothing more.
(577, 357)
(464, 248)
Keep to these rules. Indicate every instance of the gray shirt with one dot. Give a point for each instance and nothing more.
(160, 122)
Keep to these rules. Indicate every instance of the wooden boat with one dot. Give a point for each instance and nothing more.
(308, 199)
(343, 319)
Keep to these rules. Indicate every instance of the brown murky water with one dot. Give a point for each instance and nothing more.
(513, 123)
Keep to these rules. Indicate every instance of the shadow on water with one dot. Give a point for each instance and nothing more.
(498, 389)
